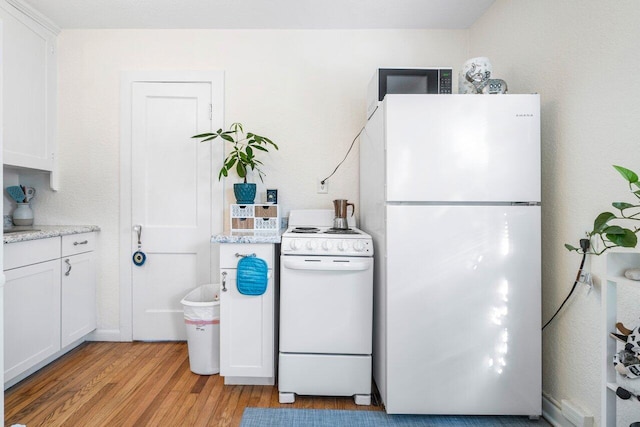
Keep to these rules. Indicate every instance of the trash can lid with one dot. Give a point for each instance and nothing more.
(203, 296)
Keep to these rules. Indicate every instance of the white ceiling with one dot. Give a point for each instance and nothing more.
(273, 14)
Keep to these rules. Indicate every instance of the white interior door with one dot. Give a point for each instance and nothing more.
(171, 201)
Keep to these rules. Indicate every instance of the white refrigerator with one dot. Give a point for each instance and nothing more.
(450, 192)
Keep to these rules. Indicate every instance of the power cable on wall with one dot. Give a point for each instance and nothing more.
(584, 245)
(345, 156)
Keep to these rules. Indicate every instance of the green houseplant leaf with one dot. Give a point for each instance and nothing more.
(627, 174)
(601, 221)
(242, 156)
(626, 238)
(622, 205)
(609, 229)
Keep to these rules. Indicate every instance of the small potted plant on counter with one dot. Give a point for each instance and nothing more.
(242, 158)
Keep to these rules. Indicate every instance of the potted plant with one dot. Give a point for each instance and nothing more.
(242, 158)
(608, 226)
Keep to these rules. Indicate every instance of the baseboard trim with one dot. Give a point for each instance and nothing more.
(552, 412)
(106, 335)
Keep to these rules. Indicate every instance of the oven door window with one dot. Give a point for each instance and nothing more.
(326, 304)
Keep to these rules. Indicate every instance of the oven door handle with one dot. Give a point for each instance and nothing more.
(326, 265)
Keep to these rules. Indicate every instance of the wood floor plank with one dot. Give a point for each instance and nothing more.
(148, 389)
(243, 401)
(123, 381)
(59, 390)
(214, 398)
(40, 383)
(200, 383)
(139, 384)
(224, 412)
(200, 408)
(186, 398)
(85, 388)
(265, 396)
(164, 389)
(256, 394)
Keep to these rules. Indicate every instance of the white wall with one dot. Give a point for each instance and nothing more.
(304, 89)
(582, 57)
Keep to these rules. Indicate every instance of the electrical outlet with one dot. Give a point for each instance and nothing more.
(323, 188)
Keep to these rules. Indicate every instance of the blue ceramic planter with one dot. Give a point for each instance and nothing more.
(245, 193)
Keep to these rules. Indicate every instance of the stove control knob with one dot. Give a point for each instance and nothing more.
(327, 245)
(342, 245)
(295, 245)
(358, 246)
(312, 244)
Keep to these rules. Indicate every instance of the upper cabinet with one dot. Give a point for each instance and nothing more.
(29, 88)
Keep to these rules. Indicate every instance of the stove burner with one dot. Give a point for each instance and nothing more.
(305, 230)
(341, 231)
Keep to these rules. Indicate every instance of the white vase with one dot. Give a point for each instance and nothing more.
(23, 215)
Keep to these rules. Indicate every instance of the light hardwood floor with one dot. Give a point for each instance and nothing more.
(139, 384)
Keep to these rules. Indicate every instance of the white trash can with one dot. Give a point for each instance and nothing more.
(202, 319)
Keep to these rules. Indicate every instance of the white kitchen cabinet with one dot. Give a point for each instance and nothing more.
(29, 88)
(78, 290)
(247, 323)
(49, 300)
(31, 316)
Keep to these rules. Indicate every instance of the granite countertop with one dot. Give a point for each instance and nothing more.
(249, 236)
(35, 232)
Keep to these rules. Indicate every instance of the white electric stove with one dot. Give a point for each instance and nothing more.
(326, 309)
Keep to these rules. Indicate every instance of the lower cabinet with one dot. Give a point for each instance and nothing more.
(48, 304)
(247, 322)
(31, 318)
(78, 296)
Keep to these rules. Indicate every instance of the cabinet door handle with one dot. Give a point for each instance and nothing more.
(84, 242)
(66, 273)
(224, 281)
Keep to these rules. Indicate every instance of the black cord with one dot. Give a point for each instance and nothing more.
(345, 157)
(584, 245)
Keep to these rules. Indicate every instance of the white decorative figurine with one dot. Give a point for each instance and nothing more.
(475, 77)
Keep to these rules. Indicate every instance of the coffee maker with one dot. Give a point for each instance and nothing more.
(340, 207)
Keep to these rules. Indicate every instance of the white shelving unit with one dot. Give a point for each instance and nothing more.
(616, 264)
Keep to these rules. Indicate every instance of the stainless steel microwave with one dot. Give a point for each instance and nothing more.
(407, 80)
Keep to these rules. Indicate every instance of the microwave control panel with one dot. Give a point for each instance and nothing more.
(445, 81)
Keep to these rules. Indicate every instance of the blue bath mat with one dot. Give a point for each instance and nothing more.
(273, 417)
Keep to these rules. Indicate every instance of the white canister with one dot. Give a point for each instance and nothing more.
(23, 215)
